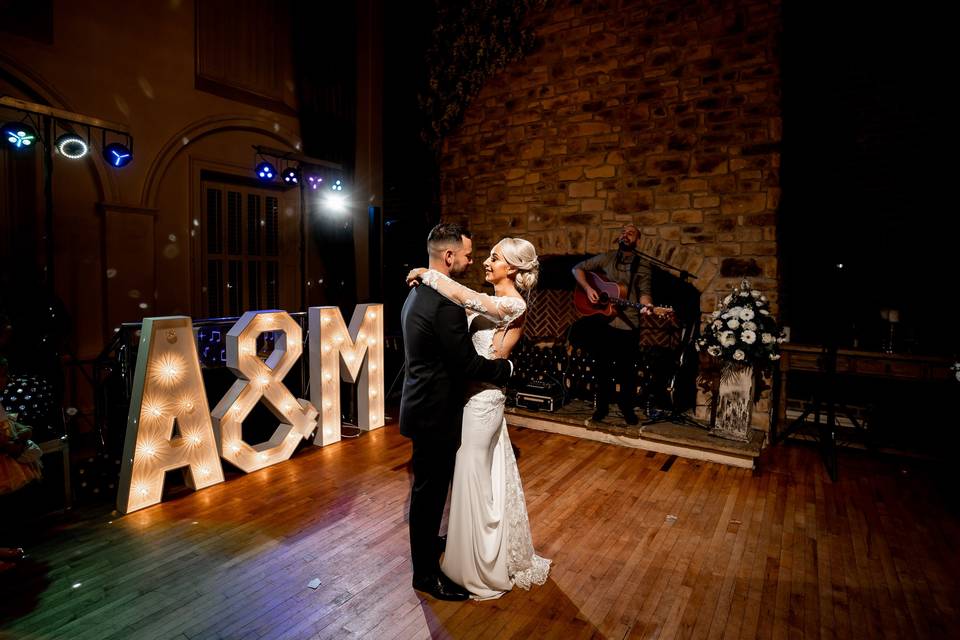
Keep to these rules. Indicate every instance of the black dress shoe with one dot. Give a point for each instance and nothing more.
(440, 587)
(599, 414)
(630, 417)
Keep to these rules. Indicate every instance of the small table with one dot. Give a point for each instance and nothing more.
(852, 362)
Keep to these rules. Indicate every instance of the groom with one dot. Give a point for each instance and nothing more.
(440, 358)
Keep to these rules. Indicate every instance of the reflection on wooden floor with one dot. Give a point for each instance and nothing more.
(644, 544)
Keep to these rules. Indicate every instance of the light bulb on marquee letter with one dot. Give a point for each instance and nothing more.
(167, 392)
(336, 351)
(258, 380)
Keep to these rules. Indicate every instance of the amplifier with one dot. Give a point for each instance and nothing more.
(546, 400)
(537, 385)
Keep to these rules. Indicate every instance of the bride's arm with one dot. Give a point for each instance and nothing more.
(498, 309)
(505, 341)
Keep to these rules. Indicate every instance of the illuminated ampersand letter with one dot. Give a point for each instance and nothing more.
(167, 396)
(357, 355)
(262, 380)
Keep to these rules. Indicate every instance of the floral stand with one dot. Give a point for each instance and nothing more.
(741, 335)
(734, 403)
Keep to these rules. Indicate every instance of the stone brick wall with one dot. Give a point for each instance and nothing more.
(665, 114)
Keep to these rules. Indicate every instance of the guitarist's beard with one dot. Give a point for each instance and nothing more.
(626, 248)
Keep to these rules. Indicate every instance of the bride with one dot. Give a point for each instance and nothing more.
(489, 545)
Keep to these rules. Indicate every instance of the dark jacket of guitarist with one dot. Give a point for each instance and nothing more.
(625, 268)
(619, 341)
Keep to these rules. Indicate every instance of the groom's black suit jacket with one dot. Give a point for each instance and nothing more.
(440, 358)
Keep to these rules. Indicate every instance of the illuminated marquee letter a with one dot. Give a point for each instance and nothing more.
(167, 394)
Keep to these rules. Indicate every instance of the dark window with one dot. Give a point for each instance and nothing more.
(242, 256)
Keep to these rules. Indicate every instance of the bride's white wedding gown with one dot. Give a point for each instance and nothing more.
(489, 544)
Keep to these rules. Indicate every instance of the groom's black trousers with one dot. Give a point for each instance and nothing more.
(433, 461)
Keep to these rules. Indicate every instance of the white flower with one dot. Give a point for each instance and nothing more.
(744, 294)
(774, 356)
(713, 350)
(755, 293)
(728, 299)
(733, 323)
(781, 340)
(749, 326)
(715, 314)
(767, 338)
(763, 298)
(739, 355)
(764, 312)
(746, 313)
(749, 337)
(727, 338)
(717, 324)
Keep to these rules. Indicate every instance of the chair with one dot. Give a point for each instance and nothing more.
(31, 397)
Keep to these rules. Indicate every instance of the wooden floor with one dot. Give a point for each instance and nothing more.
(645, 546)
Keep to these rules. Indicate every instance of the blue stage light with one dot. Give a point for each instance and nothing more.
(291, 175)
(266, 171)
(336, 186)
(117, 155)
(314, 182)
(19, 135)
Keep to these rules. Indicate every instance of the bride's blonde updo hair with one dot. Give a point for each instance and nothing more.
(521, 254)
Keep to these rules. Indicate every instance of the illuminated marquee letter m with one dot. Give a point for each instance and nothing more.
(356, 354)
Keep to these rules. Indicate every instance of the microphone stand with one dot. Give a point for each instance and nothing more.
(682, 273)
(674, 414)
(688, 334)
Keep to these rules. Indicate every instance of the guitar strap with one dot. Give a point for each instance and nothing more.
(633, 274)
(630, 285)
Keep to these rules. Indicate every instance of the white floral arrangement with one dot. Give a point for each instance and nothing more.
(742, 330)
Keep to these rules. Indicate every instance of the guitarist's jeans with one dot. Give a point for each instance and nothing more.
(616, 352)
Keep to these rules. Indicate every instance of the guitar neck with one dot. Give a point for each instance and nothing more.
(620, 302)
(606, 288)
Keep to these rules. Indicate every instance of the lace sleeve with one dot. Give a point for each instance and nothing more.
(502, 310)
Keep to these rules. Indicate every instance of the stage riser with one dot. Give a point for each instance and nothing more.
(637, 442)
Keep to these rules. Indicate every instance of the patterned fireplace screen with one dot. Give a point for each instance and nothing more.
(552, 313)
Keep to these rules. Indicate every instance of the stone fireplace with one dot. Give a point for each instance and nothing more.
(664, 114)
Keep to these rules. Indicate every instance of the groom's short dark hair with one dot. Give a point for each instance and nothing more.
(446, 233)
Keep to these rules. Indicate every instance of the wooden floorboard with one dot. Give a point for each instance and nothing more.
(645, 546)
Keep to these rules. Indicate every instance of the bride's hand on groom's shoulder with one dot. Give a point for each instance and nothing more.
(413, 278)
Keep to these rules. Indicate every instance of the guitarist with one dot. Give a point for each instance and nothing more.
(618, 339)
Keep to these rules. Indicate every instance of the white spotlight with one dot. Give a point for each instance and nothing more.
(335, 202)
(71, 146)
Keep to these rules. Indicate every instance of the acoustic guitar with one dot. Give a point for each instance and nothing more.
(612, 295)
